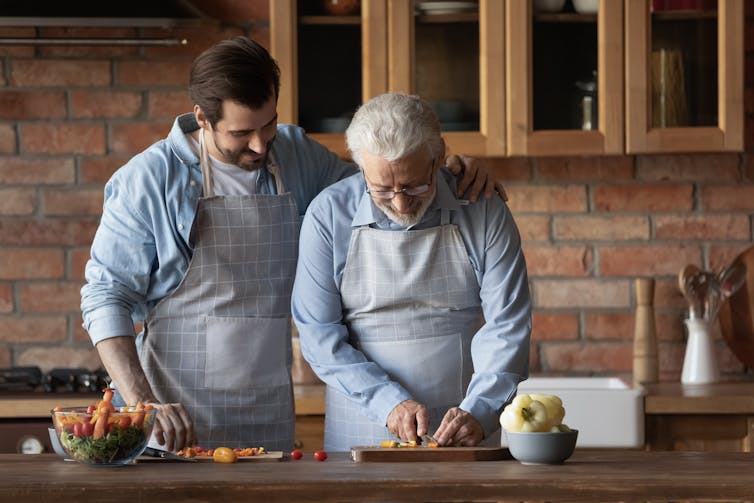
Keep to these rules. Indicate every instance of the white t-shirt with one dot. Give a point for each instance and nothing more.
(229, 179)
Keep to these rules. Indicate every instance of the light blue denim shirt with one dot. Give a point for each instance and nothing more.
(500, 349)
(141, 250)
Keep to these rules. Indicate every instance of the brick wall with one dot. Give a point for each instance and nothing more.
(70, 116)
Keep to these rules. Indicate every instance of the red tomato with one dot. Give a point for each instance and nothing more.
(124, 422)
(77, 429)
(320, 455)
(297, 454)
(91, 409)
(87, 429)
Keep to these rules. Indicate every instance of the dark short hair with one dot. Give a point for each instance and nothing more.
(236, 69)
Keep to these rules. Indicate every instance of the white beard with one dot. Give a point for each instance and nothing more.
(407, 219)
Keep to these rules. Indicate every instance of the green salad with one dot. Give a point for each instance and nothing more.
(117, 445)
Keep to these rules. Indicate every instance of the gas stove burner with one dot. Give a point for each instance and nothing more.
(58, 380)
(20, 378)
(78, 380)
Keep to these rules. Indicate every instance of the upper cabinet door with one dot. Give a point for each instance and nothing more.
(451, 54)
(564, 75)
(684, 75)
(330, 62)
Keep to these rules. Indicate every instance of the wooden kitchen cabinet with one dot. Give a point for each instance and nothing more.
(511, 81)
(711, 417)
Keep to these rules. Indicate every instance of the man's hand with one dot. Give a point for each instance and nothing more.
(476, 179)
(458, 427)
(408, 421)
(173, 427)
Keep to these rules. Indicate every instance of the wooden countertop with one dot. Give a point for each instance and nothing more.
(589, 475)
(717, 398)
(309, 399)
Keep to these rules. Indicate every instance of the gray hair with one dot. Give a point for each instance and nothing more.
(393, 126)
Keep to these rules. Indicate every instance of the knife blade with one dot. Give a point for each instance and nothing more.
(157, 453)
(429, 441)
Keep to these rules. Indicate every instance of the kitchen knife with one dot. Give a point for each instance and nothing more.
(157, 453)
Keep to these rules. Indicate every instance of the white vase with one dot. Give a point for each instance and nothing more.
(699, 365)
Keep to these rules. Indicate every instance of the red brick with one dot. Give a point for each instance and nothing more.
(33, 329)
(728, 197)
(581, 293)
(668, 293)
(100, 169)
(64, 138)
(81, 356)
(703, 227)
(643, 197)
(89, 51)
(533, 227)
(547, 198)
(79, 334)
(77, 263)
(152, 73)
(168, 105)
(17, 202)
(669, 326)
(506, 169)
(670, 358)
(5, 359)
(108, 104)
(595, 228)
(20, 105)
(548, 326)
(749, 169)
(609, 326)
(76, 202)
(49, 232)
(648, 260)
(6, 298)
(585, 168)
(59, 73)
(133, 138)
(23, 171)
(558, 260)
(31, 263)
(16, 51)
(49, 297)
(689, 167)
(593, 357)
(7, 139)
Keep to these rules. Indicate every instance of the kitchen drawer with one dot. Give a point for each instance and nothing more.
(310, 432)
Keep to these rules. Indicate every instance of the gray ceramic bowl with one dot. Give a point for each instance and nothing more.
(541, 448)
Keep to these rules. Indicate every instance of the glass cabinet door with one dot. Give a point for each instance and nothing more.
(684, 74)
(330, 61)
(450, 53)
(564, 77)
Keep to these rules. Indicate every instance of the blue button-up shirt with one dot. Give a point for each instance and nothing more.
(500, 349)
(142, 248)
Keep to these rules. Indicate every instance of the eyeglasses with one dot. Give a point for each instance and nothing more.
(416, 191)
(387, 195)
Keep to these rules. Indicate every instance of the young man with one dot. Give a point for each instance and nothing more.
(198, 239)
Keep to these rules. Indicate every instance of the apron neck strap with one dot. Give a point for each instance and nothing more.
(207, 188)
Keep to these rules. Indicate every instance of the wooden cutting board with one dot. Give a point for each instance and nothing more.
(366, 454)
(267, 456)
(737, 315)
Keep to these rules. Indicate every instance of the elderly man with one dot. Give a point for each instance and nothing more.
(412, 306)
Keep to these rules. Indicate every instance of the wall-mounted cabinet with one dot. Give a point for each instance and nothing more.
(509, 78)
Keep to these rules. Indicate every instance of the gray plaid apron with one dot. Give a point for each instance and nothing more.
(411, 304)
(220, 344)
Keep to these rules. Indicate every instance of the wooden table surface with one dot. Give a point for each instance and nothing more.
(589, 475)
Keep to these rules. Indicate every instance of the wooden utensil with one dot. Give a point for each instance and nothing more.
(366, 454)
(687, 278)
(737, 313)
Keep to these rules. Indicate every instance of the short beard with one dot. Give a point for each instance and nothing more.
(407, 219)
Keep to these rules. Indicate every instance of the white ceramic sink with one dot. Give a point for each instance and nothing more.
(606, 411)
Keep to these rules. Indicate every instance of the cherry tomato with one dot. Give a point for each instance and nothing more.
(296, 454)
(224, 455)
(320, 455)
